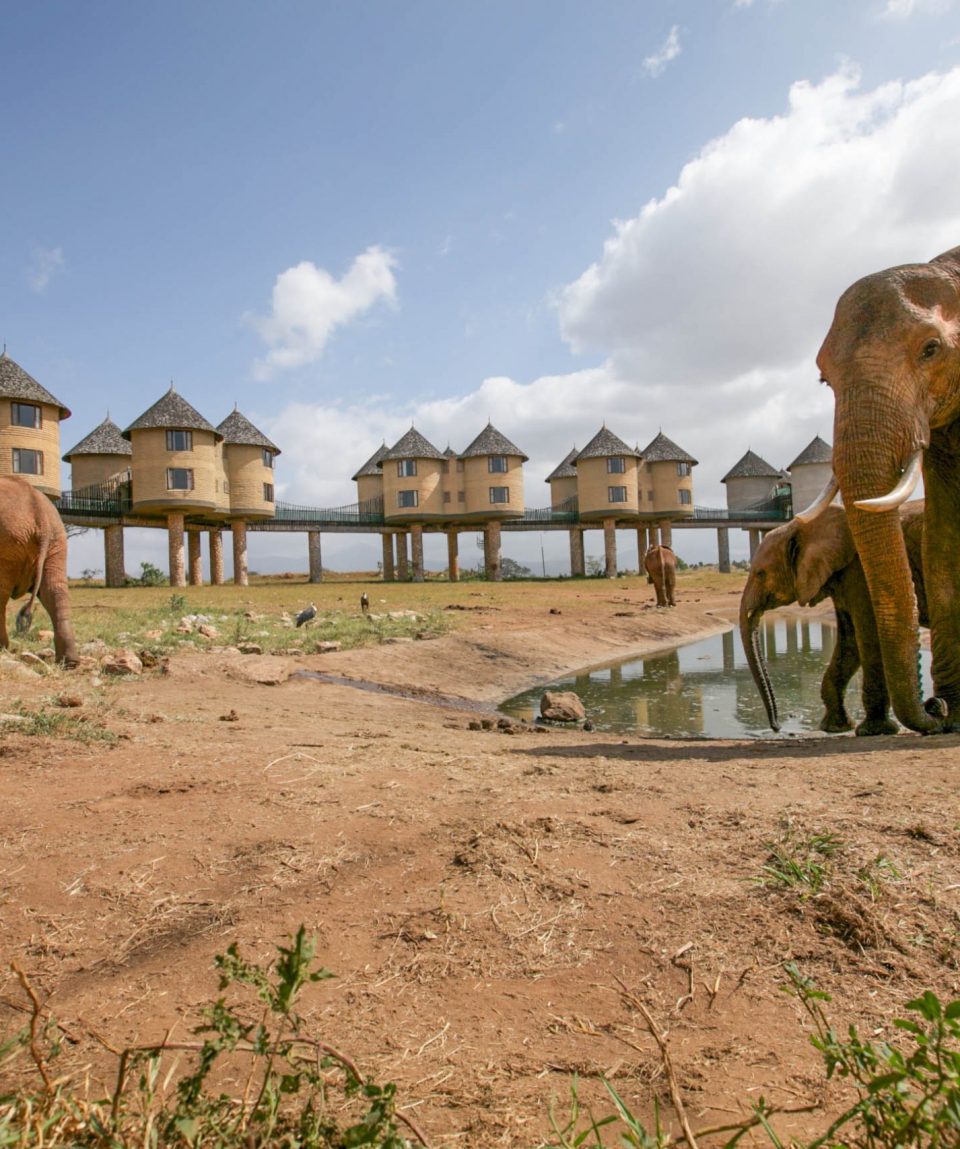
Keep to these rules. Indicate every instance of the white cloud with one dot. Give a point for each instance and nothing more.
(45, 263)
(308, 305)
(904, 9)
(668, 51)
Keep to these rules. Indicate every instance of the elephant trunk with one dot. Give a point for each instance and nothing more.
(869, 466)
(750, 616)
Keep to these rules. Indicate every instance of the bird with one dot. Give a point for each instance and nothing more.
(308, 613)
(364, 602)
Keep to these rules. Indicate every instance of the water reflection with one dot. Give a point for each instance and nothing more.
(706, 688)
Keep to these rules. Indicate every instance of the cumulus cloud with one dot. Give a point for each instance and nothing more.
(45, 263)
(309, 305)
(669, 50)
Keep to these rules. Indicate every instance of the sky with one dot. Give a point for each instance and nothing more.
(551, 214)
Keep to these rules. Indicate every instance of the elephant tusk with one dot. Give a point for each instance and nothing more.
(821, 502)
(901, 492)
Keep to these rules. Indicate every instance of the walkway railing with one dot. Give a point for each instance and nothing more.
(368, 513)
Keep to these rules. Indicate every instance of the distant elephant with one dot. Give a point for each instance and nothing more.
(660, 563)
(892, 359)
(806, 562)
(33, 559)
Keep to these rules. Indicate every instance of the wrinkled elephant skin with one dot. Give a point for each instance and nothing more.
(892, 359)
(660, 563)
(33, 560)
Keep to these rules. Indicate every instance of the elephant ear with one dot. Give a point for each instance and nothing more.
(824, 547)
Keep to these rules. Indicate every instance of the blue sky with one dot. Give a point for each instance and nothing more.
(347, 216)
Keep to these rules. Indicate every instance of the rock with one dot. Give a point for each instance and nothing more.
(207, 631)
(474, 724)
(153, 635)
(588, 725)
(554, 610)
(45, 635)
(121, 663)
(327, 647)
(250, 648)
(68, 701)
(33, 660)
(95, 647)
(151, 659)
(230, 716)
(265, 671)
(561, 706)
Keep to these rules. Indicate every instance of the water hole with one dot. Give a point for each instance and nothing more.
(705, 689)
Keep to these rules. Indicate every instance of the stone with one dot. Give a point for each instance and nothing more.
(250, 648)
(45, 635)
(68, 701)
(207, 630)
(561, 706)
(122, 662)
(33, 660)
(328, 647)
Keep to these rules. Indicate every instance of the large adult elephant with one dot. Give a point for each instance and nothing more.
(33, 560)
(806, 562)
(892, 358)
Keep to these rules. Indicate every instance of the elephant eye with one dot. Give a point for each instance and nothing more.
(930, 348)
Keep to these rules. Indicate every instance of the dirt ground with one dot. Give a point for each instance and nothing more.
(480, 894)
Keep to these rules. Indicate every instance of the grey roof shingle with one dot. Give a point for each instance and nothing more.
(564, 470)
(751, 466)
(604, 445)
(171, 411)
(15, 383)
(816, 451)
(237, 428)
(491, 442)
(412, 446)
(103, 440)
(372, 465)
(664, 450)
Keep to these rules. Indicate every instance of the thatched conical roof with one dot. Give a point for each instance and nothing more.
(15, 383)
(412, 446)
(237, 428)
(751, 466)
(664, 450)
(564, 470)
(816, 451)
(172, 412)
(604, 445)
(491, 442)
(372, 465)
(103, 440)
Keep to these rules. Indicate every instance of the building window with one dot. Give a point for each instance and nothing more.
(616, 494)
(649, 467)
(226, 487)
(408, 498)
(445, 467)
(461, 496)
(27, 462)
(179, 479)
(459, 465)
(616, 465)
(268, 492)
(499, 494)
(25, 415)
(497, 464)
(179, 440)
(686, 498)
(649, 496)
(406, 468)
(446, 496)
(268, 458)
(683, 469)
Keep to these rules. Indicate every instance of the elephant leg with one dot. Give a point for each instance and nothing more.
(843, 665)
(671, 587)
(940, 547)
(854, 600)
(4, 637)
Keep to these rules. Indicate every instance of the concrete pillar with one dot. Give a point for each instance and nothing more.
(723, 549)
(216, 556)
(791, 625)
(403, 569)
(453, 556)
(491, 552)
(195, 559)
(666, 532)
(610, 548)
(314, 557)
(754, 541)
(386, 540)
(416, 551)
(113, 571)
(641, 547)
(578, 566)
(729, 657)
(175, 539)
(239, 528)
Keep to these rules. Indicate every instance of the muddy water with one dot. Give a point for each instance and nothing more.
(706, 690)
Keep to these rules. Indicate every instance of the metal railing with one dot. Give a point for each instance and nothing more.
(367, 513)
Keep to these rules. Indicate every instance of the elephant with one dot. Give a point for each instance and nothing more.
(807, 562)
(892, 359)
(33, 558)
(660, 563)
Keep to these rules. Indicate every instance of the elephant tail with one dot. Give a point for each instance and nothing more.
(25, 613)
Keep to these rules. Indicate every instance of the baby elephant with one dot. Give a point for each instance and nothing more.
(806, 563)
(660, 563)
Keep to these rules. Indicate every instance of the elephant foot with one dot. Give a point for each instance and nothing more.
(871, 726)
(835, 724)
